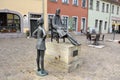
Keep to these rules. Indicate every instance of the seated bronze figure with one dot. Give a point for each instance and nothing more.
(54, 35)
(59, 29)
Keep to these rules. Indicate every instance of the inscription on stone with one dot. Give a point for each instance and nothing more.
(75, 53)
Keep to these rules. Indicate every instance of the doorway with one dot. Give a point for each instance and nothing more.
(83, 25)
(100, 26)
(33, 22)
(33, 25)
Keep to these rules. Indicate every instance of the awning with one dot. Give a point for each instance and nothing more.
(116, 18)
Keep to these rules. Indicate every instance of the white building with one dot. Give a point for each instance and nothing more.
(115, 16)
(100, 16)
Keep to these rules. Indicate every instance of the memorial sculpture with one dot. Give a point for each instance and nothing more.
(59, 29)
(40, 46)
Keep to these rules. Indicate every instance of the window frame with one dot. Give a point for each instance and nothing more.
(65, 1)
(96, 23)
(84, 5)
(91, 6)
(75, 4)
(53, 0)
(113, 9)
(105, 25)
(97, 5)
(107, 8)
(66, 16)
(76, 27)
(103, 7)
(118, 10)
(85, 23)
(10, 23)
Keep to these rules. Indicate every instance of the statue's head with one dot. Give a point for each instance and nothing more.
(40, 21)
(58, 11)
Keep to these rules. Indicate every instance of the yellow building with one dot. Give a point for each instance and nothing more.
(18, 16)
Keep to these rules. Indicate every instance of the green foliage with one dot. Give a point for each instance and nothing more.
(70, 28)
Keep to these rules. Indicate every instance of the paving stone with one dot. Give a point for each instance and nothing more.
(18, 61)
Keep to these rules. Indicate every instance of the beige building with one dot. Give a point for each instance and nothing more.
(18, 16)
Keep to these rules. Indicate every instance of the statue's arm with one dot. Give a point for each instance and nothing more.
(44, 33)
(33, 34)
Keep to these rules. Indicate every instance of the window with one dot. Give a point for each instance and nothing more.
(54, 0)
(91, 4)
(50, 17)
(117, 10)
(9, 22)
(65, 22)
(105, 25)
(83, 24)
(96, 23)
(65, 1)
(74, 23)
(100, 26)
(75, 2)
(107, 8)
(83, 3)
(113, 9)
(97, 5)
(103, 7)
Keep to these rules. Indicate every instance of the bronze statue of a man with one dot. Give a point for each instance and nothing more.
(58, 28)
(41, 47)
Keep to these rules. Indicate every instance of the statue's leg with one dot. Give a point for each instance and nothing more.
(63, 39)
(57, 37)
(74, 43)
(51, 36)
(72, 40)
(37, 60)
(42, 52)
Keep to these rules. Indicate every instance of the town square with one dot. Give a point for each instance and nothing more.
(60, 40)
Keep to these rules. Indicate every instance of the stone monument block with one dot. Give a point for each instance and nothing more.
(63, 55)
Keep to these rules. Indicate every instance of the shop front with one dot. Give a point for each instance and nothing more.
(116, 24)
(10, 23)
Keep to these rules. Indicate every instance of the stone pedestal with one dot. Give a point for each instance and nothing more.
(63, 55)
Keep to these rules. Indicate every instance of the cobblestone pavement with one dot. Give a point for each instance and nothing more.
(18, 61)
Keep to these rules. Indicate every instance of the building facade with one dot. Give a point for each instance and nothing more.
(16, 17)
(103, 14)
(115, 15)
(74, 13)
